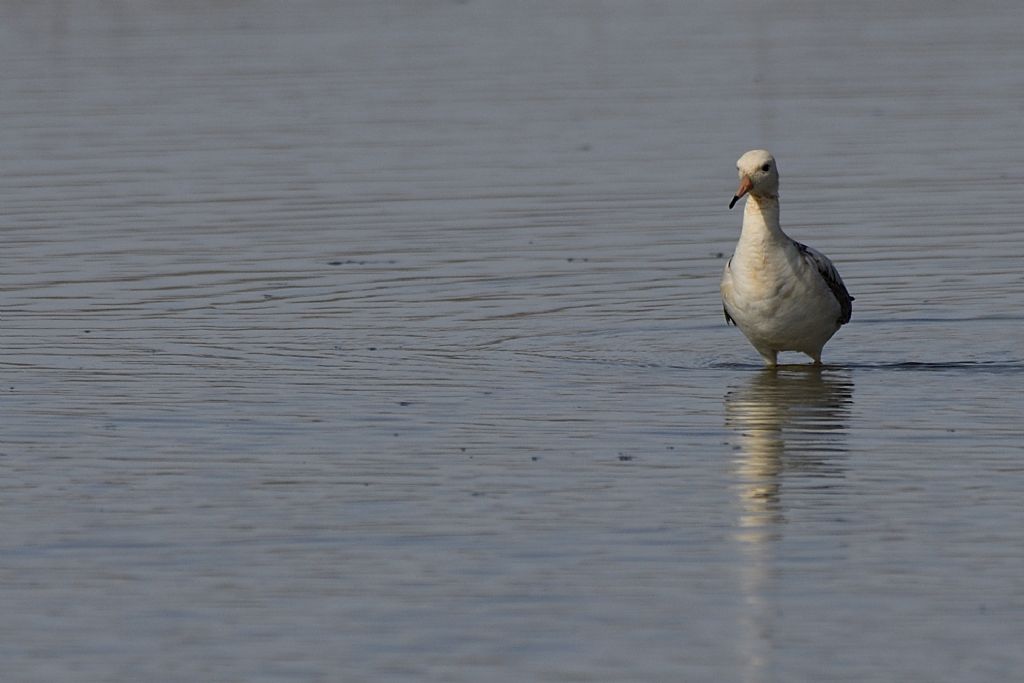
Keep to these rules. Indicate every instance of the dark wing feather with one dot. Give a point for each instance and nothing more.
(728, 318)
(830, 275)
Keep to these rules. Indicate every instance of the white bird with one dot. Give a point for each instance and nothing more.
(783, 295)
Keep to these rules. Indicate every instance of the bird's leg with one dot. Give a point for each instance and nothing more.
(770, 356)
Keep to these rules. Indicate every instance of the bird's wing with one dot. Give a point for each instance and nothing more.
(725, 278)
(830, 275)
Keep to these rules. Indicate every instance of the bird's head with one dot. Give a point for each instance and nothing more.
(759, 175)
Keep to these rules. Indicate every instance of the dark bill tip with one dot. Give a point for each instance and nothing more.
(735, 198)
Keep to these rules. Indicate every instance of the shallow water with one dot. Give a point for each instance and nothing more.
(382, 341)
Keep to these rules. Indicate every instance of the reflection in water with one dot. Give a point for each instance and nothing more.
(787, 421)
(788, 424)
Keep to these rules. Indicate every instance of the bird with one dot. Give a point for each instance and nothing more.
(783, 295)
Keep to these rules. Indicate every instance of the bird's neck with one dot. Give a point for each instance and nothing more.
(761, 219)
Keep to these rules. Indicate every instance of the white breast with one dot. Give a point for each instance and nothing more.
(778, 301)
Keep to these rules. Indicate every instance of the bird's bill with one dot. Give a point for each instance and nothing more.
(744, 188)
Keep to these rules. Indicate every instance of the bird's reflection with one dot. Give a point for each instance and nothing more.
(788, 421)
(788, 425)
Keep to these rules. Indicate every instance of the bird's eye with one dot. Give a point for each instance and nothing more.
(766, 168)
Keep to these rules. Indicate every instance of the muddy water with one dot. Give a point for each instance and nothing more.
(381, 341)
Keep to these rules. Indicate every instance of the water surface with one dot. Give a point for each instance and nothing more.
(382, 341)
